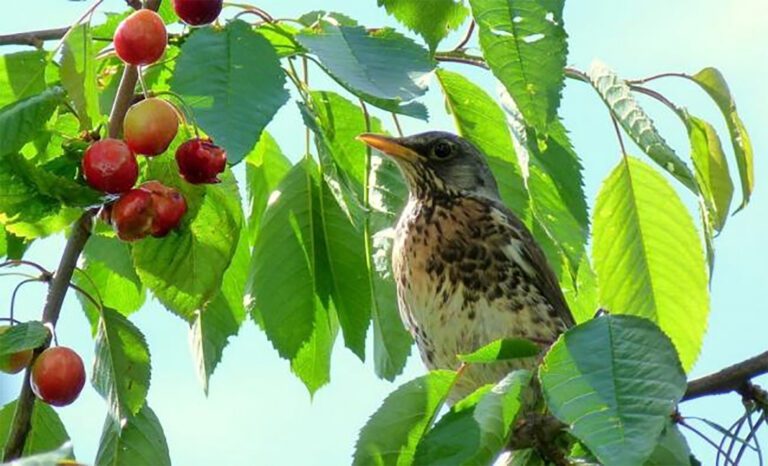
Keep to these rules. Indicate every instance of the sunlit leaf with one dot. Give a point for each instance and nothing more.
(502, 349)
(78, 74)
(265, 166)
(22, 120)
(444, 16)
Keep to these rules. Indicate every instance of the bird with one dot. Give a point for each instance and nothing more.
(467, 270)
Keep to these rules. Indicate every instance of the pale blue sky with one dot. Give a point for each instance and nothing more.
(259, 413)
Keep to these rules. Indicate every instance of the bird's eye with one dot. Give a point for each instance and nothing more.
(442, 150)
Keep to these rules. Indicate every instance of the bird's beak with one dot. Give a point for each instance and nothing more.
(389, 146)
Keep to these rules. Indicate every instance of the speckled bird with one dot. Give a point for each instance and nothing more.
(467, 269)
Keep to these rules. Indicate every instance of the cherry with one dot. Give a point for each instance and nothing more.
(197, 12)
(132, 215)
(150, 126)
(169, 207)
(110, 166)
(58, 376)
(200, 160)
(140, 38)
(13, 363)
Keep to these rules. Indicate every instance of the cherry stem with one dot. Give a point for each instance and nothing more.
(93, 284)
(11, 320)
(39, 267)
(99, 305)
(140, 75)
(251, 9)
(16, 290)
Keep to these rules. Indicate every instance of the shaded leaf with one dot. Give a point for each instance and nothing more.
(615, 380)
(47, 432)
(122, 368)
(383, 67)
(265, 166)
(502, 349)
(391, 435)
(238, 91)
(64, 189)
(139, 441)
(444, 16)
(78, 74)
(524, 44)
(672, 449)
(22, 120)
(713, 82)
(618, 97)
(648, 257)
(23, 336)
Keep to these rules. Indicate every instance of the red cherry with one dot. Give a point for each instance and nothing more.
(13, 363)
(132, 215)
(169, 206)
(150, 126)
(197, 12)
(58, 376)
(110, 166)
(140, 38)
(200, 160)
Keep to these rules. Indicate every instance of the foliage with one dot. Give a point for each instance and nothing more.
(306, 257)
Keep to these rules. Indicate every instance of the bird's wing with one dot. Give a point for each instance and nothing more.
(540, 271)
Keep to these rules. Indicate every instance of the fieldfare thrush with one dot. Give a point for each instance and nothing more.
(467, 270)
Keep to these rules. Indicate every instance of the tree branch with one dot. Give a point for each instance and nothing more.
(21, 425)
(33, 38)
(732, 378)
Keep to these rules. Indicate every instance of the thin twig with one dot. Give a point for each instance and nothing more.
(618, 135)
(467, 36)
(33, 38)
(728, 379)
(704, 437)
(39, 267)
(397, 124)
(16, 290)
(658, 76)
(657, 96)
(99, 305)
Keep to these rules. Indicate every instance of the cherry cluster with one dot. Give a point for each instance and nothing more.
(110, 165)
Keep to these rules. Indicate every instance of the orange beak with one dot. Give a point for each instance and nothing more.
(389, 146)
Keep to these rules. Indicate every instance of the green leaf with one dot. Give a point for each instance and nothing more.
(23, 336)
(391, 435)
(78, 74)
(108, 274)
(237, 91)
(47, 432)
(282, 283)
(312, 364)
(648, 257)
(265, 166)
(391, 342)
(713, 82)
(184, 270)
(711, 169)
(480, 120)
(444, 16)
(139, 441)
(222, 317)
(672, 449)
(122, 368)
(502, 349)
(23, 74)
(383, 67)
(64, 189)
(22, 120)
(582, 295)
(524, 44)
(312, 18)
(615, 381)
(281, 38)
(617, 96)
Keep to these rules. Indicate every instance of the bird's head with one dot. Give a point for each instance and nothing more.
(437, 163)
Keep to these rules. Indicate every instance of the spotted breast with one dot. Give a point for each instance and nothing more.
(468, 272)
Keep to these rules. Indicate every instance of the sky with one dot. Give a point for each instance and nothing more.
(257, 412)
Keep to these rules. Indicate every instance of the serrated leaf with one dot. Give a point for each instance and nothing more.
(23, 74)
(713, 82)
(23, 336)
(615, 381)
(121, 371)
(222, 317)
(312, 364)
(281, 38)
(265, 166)
(444, 16)
(108, 274)
(391, 435)
(238, 91)
(671, 450)
(22, 120)
(65, 190)
(480, 120)
(47, 432)
(311, 18)
(524, 44)
(711, 169)
(648, 257)
(383, 67)
(78, 74)
(184, 270)
(502, 349)
(139, 441)
(618, 97)
(582, 295)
